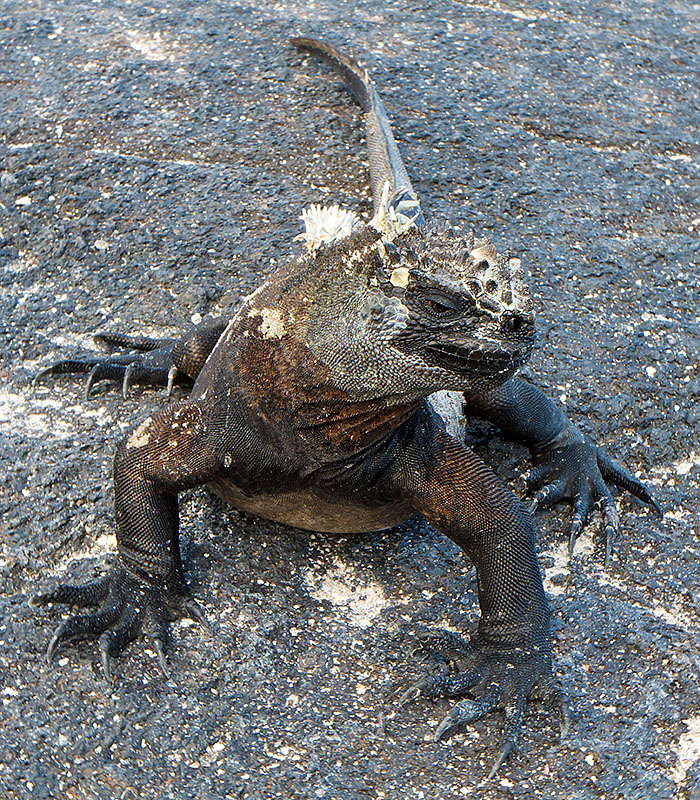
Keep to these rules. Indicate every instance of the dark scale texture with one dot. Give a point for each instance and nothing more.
(153, 164)
(462, 497)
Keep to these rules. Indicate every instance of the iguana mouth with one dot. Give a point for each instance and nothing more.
(483, 360)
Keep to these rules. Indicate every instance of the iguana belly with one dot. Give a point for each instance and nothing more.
(305, 509)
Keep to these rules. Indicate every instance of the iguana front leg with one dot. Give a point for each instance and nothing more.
(568, 465)
(155, 362)
(510, 654)
(169, 452)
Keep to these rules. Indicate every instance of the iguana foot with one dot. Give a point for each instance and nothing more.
(496, 677)
(125, 607)
(150, 365)
(578, 470)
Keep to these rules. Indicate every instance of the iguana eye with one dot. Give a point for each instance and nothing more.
(439, 308)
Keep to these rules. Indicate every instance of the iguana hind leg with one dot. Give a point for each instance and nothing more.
(153, 362)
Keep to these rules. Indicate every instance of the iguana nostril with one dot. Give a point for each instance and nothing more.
(514, 322)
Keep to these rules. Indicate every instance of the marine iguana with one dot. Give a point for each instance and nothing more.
(314, 406)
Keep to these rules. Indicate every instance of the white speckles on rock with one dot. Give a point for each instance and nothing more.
(688, 749)
(104, 544)
(151, 46)
(362, 602)
(684, 465)
(556, 575)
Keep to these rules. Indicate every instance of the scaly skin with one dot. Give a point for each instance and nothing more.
(309, 406)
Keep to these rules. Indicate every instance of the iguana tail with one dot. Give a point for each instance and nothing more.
(385, 163)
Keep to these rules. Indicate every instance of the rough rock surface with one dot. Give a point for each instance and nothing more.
(154, 160)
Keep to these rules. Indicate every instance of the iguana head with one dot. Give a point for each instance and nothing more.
(407, 310)
(469, 316)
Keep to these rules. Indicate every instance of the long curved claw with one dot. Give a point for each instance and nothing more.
(103, 371)
(106, 661)
(466, 712)
(582, 505)
(128, 374)
(160, 653)
(506, 749)
(565, 713)
(191, 608)
(611, 517)
(113, 642)
(80, 626)
(126, 380)
(143, 374)
(91, 380)
(172, 375)
(549, 690)
(536, 477)
(624, 480)
(549, 495)
(412, 693)
(515, 710)
(67, 366)
(54, 644)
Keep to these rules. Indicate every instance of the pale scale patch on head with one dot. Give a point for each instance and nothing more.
(496, 283)
(501, 280)
(400, 277)
(326, 224)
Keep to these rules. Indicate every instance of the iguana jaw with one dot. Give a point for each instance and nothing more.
(472, 361)
(480, 361)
